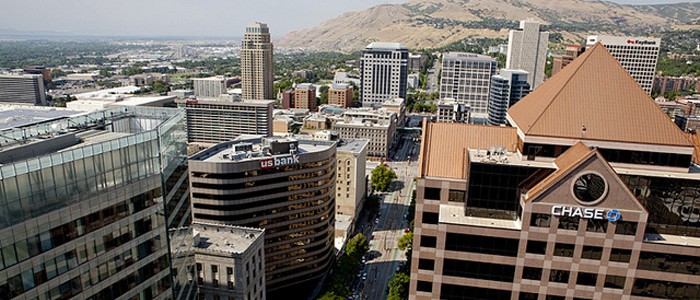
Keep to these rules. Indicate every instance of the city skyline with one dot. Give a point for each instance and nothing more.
(187, 18)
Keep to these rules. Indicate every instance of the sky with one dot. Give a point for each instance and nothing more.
(212, 18)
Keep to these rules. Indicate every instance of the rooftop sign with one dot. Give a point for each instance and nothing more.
(272, 162)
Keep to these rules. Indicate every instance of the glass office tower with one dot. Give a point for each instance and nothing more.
(86, 203)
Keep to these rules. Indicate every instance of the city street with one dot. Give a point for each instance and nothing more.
(384, 257)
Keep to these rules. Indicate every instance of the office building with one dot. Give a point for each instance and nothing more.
(466, 78)
(397, 106)
(571, 52)
(213, 121)
(256, 63)
(416, 61)
(376, 125)
(230, 262)
(288, 99)
(305, 96)
(282, 185)
(507, 88)
(574, 201)
(340, 94)
(95, 206)
(211, 87)
(383, 73)
(351, 178)
(638, 55)
(22, 89)
(664, 84)
(450, 111)
(527, 50)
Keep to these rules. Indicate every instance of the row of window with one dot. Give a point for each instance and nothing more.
(588, 252)
(583, 278)
(572, 223)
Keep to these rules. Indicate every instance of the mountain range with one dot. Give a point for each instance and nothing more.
(436, 23)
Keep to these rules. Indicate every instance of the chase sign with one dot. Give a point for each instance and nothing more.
(611, 215)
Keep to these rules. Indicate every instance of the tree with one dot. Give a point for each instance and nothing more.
(406, 241)
(324, 94)
(357, 245)
(382, 177)
(330, 296)
(161, 87)
(398, 286)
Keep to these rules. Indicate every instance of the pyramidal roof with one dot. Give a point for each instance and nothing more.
(596, 93)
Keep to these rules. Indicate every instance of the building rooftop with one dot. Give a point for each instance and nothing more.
(224, 238)
(145, 101)
(385, 46)
(12, 116)
(340, 86)
(354, 146)
(393, 102)
(256, 149)
(226, 101)
(454, 214)
(305, 86)
(118, 92)
(589, 99)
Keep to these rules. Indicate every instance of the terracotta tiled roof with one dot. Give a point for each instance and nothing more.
(595, 92)
(565, 163)
(444, 147)
(695, 140)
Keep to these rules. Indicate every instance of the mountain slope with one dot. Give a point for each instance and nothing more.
(434, 23)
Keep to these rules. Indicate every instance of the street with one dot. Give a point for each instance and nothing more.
(384, 258)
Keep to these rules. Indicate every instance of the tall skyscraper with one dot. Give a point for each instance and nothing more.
(22, 89)
(256, 63)
(383, 73)
(507, 88)
(466, 78)
(590, 195)
(527, 50)
(97, 207)
(638, 55)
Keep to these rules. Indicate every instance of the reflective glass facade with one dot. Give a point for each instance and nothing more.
(90, 221)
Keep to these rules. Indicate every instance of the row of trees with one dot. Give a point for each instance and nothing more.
(398, 286)
(347, 266)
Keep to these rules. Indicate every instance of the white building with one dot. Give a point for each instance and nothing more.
(638, 55)
(383, 73)
(210, 87)
(466, 78)
(527, 50)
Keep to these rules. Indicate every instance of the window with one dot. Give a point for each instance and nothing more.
(568, 223)
(532, 273)
(593, 225)
(586, 278)
(620, 255)
(424, 286)
(528, 296)
(554, 297)
(432, 193)
(626, 228)
(566, 250)
(426, 264)
(430, 217)
(456, 196)
(536, 247)
(459, 292)
(478, 270)
(540, 220)
(481, 244)
(559, 276)
(614, 282)
(428, 241)
(592, 252)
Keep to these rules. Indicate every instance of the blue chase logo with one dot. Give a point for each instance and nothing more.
(613, 215)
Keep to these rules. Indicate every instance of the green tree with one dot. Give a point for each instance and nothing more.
(382, 177)
(324, 94)
(406, 241)
(55, 73)
(161, 87)
(330, 296)
(398, 286)
(357, 245)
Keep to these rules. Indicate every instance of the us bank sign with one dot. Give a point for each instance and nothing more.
(279, 161)
(611, 215)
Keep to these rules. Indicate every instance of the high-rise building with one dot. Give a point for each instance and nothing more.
(305, 96)
(213, 121)
(230, 262)
(96, 206)
(574, 201)
(527, 50)
(450, 111)
(638, 55)
(282, 185)
(466, 78)
(571, 52)
(383, 73)
(340, 94)
(351, 182)
(22, 89)
(211, 87)
(507, 88)
(256, 63)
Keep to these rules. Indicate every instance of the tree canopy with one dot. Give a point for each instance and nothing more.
(398, 286)
(382, 177)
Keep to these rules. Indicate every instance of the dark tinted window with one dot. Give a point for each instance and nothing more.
(665, 289)
(430, 217)
(665, 262)
(493, 190)
(532, 273)
(559, 276)
(428, 241)
(594, 225)
(540, 220)
(478, 270)
(426, 264)
(456, 196)
(566, 250)
(481, 244)
(568, 223)
(592, 252)
(586, 278)
(432, 193)
(536, 247)
(614, 282)
(458, 292)
(424, 286)
(620, 255)
(626, 228)
(528, 296)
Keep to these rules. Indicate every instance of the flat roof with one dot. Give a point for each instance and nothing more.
(468, 56)
(353, 145)
(224, 238)
(108, 93)
(12, 116)
(221, 153)
(386, 46)
(667, 239)
(454, 214)
(140, 101)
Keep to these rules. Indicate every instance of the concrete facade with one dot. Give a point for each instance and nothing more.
(527, 50)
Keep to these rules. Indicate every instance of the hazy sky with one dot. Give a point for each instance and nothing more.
(225, 18)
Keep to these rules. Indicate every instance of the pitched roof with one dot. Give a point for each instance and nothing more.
(444, 146)
(565, 163)
(596, 93)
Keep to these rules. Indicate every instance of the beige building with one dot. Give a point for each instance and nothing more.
(527, 50)
(230, 263)
(340, 94)
(305, 96)
(376, 125)
(256, 63)
(638, 55)
(209, 88)
(351, 181)
(397, 106)
(571, 202)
